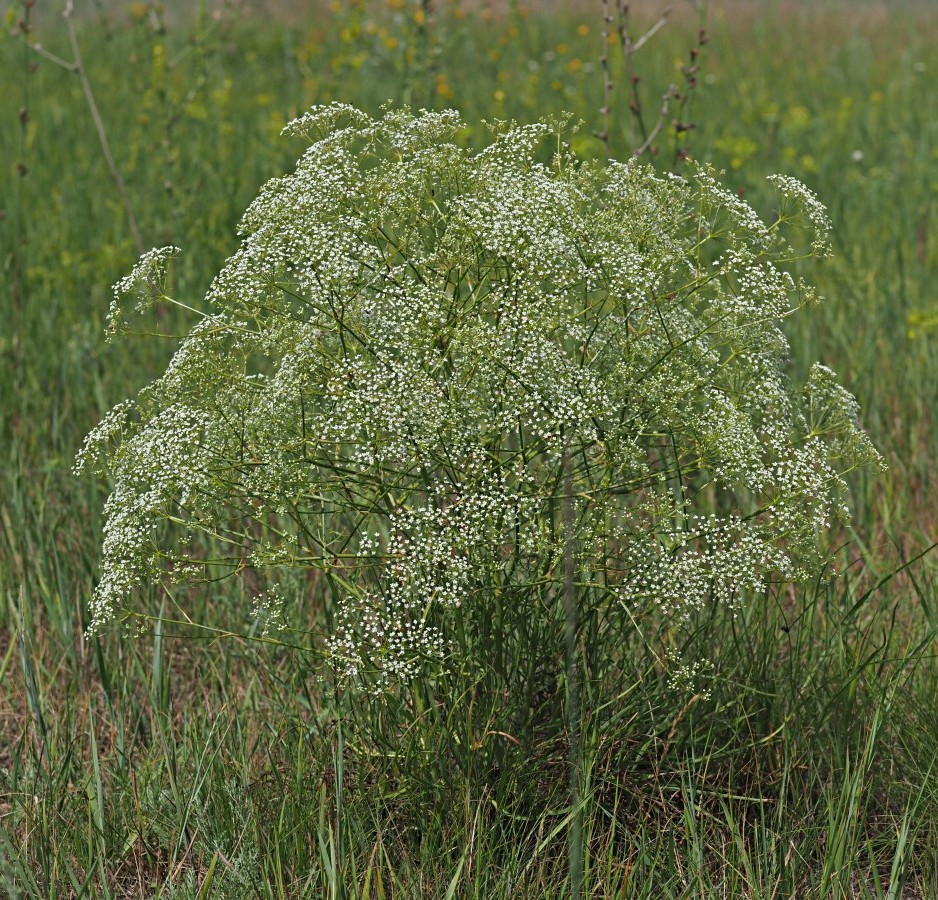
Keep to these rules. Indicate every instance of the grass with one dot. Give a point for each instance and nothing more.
(802, 763)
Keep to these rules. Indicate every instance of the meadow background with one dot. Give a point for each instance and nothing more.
(184, 765)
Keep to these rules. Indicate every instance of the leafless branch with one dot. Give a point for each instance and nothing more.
(674, 100)
(648, 35)
(58, 60)
(79, 70)
(659, 124)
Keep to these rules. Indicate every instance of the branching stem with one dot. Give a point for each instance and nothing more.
(78, 68)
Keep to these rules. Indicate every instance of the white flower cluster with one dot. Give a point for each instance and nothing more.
(158, 472)
(269, 611)
(712, 560)
(145, 281)
(725, 214)
(105, 433)
(804, 201)
(432, 556)
(419, 349)
(684, 678)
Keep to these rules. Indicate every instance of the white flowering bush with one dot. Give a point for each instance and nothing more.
(416, 341)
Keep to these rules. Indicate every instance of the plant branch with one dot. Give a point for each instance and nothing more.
(648, 35)
(575, 834)
(659, 124)
(675, 98)
(607, 77)
(629, 48)
(79, 69)
(53, 58)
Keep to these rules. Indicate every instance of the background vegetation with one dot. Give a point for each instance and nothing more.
(799, 763)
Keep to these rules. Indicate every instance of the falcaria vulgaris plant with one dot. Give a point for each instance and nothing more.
(428, 370)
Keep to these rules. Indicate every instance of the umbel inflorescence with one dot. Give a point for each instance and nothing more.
(421, 353)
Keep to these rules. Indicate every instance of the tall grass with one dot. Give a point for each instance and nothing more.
(800, 763)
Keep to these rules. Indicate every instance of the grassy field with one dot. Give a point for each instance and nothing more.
(802, 765)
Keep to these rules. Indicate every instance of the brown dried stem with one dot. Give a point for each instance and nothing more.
(607, 76)
(629, 46)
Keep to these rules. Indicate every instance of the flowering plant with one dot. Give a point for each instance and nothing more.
(421, 353)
